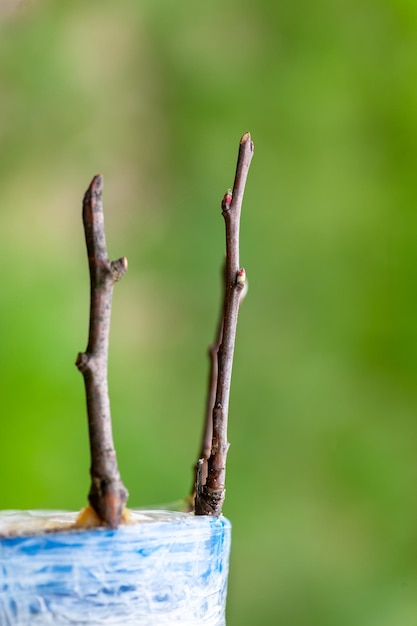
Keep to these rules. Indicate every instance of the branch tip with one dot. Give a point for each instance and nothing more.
(95, 188)
(245, 138)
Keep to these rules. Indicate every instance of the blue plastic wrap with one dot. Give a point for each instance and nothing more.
(166, 568)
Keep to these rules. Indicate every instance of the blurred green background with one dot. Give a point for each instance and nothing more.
(322, 470)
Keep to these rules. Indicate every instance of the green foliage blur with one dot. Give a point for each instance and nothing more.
(322, 469)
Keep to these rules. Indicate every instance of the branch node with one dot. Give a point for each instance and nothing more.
(82, 361)
(227, 201)
(118, 268)
(199, 476)
(241, 278)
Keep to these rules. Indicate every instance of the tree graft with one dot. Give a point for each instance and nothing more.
(107, 494)
(210, 490)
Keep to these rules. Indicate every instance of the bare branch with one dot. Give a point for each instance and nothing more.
(201, 467)
(210, 495)
(107, 494)
(210, 401)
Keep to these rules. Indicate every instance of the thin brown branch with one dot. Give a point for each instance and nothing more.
(107, 494)
(210, 494)
(201, 467)
(210, 401)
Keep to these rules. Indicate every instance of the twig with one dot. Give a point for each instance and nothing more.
(107, 494)
(210, 401)
(210, 494)
(201, 467)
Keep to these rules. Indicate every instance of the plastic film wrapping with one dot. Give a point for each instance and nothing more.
(166, 568)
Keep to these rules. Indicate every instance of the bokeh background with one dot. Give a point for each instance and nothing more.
(322, 471)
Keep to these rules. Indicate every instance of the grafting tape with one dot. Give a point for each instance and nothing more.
(166, 568)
